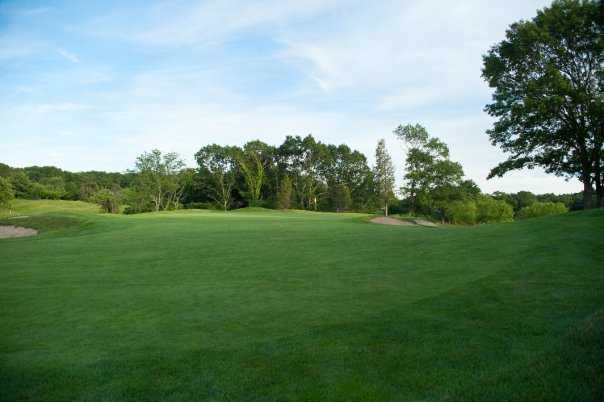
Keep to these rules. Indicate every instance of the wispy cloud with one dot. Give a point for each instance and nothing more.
(211, 21)
(36, 11)
(60, 107)
(72, 57)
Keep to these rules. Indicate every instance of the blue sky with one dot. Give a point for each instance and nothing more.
(90, 85)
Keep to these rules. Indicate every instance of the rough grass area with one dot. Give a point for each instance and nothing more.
(35, 207)
(291, 306)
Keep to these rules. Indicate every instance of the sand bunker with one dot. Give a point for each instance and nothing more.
(16, 231)
(384, 220)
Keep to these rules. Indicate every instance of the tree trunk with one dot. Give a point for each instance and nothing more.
(599, 187)
(599, 194)
(587, 194)
(386, 208)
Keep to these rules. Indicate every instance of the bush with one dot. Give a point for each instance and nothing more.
(109, 201)
(541, 209)
(40, 191)
(138, 201)
(130, 211)
(199, 205)
(490, 210)
(461, 212)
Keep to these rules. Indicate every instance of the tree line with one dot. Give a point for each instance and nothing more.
(301, 173)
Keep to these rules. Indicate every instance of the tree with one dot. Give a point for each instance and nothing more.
(383, 174)
(184, 180)
(158, 178)
(5, 170)
(218, 164)
(548, 76)
(255, 157)
(341, 165)
(108, 200)
(340, 197)
(21, 184)
(284, 198)
(524, 199)
(7, 194)
(431, 178)
(301, 159)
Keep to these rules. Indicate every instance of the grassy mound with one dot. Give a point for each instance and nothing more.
(296, 306)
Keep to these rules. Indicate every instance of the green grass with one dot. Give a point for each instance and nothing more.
(296, 306)
(28, 207)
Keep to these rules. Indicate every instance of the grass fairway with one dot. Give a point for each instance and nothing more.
(272, 306)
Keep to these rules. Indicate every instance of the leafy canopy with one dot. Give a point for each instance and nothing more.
(548, 79)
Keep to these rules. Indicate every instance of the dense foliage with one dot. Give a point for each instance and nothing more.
(109, 201)
(301, 173)
(537, 209)
(7, 193)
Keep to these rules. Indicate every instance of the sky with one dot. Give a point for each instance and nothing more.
(91, 85)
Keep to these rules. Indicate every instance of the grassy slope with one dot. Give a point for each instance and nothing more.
(271, 306)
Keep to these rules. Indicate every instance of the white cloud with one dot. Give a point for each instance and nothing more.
(59, 107)
(72, 57)
(36, 11)
(207, 22)
(425, 50)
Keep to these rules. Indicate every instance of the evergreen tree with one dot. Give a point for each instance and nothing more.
(384, 174)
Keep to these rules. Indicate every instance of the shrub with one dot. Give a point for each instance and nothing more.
(490, 210)
(39, 191)
(199, 205)
(541, 209)
(461, 212)
(109, 201)
(138, 201)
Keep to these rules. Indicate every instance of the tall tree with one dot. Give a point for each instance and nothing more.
(158, 177)
(300, 158)
(219, 163)
(431, 178)
(253, 161)
(341, 165)
(548, 76)
(383, 174)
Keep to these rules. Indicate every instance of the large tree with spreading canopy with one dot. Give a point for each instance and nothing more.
(548, 77)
